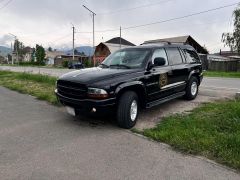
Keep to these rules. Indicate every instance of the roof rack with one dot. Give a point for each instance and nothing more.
(160, 42)
(163, 43)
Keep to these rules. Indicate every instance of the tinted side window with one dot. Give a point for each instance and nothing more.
(174, 56)
(160, 53)
(191, 56)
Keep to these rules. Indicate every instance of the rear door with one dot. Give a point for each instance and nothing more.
(192, 59)
(179, 66)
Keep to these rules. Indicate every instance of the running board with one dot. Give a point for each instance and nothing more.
(163, 100)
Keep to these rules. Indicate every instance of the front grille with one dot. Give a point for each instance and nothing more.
(72, 90)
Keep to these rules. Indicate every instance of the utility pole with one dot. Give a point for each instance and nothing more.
(93, 14)
(120, 38)
(15, 40)
(73, 57)
(12, 52)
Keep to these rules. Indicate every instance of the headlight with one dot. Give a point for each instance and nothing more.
(97, 93)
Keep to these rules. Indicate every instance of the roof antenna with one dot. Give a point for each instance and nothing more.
(120, 37)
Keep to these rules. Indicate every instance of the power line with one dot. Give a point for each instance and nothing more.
(182, 17)
(167, 20)
(63, 37)
(106, 30)
(1, 1)
(133, 8)
(5, 5)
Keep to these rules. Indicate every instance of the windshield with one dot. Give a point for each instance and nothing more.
(126, 58)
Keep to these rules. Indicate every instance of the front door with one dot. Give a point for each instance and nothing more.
(159, 78)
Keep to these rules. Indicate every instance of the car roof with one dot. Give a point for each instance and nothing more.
(161, 45)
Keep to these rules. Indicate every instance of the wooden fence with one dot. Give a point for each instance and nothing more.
(230, 65)
(218, 64)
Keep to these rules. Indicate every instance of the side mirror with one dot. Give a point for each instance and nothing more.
(159, 61)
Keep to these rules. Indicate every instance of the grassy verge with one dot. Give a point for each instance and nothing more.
(32, 65)
(222, 74)
(211, 130)
(40, 86)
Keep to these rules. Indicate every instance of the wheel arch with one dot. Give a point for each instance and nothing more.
(196, 74)
(136, 86)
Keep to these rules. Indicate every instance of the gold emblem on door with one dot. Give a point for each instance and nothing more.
(163, 80)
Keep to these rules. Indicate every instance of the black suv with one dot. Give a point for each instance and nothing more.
(141, 76)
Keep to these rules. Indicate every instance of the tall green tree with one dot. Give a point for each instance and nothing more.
(232, 40)
(18, 48)
(40, 54)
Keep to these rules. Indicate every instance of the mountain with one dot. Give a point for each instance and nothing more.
(87, 50)
(4, 51)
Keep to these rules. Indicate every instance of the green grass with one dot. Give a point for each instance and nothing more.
(40, 86)
(222, 74)
(211, 130)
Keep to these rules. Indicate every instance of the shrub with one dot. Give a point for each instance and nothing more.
(65, 63)
(88, 63)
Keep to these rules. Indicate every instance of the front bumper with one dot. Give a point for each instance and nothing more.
(85, 103)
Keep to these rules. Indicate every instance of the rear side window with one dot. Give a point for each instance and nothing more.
(191, 56)
(174, 56)
(160, 53)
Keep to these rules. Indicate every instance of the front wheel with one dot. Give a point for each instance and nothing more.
(127, 111)
(192, 88)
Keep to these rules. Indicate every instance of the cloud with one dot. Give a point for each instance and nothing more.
(49, 22)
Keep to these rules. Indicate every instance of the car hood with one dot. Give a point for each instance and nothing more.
(92, 75)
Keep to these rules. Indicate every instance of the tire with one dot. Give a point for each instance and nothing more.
(127, 101)
(192, 88)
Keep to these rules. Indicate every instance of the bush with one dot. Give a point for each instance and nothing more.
(88, 63)
(65, 63)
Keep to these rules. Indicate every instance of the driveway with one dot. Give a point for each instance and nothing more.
(40, 141)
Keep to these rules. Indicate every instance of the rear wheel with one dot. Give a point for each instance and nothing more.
(192, 88)
(127, 111)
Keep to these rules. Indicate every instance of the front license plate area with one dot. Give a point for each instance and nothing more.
(71, 111)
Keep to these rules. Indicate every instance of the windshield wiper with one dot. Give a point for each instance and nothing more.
(104, 65)
(120, 65)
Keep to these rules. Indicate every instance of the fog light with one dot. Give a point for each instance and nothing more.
(94, 110)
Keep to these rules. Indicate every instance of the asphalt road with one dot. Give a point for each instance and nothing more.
(40, 141)
(225, 84)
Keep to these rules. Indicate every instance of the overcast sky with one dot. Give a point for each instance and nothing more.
(48, 22)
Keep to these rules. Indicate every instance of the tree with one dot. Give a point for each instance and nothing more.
(82, 54)
(40, 54)
(18, 48)
(76, 52)
(232, 40)
(50, 49)
(33, 55)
